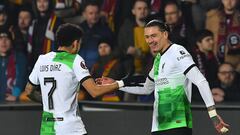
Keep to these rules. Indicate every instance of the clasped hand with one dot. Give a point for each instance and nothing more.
(104, 80)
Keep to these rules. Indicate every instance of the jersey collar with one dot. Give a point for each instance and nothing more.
(60, 51)
(167, 48)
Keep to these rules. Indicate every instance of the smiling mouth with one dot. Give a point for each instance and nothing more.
(153, 44)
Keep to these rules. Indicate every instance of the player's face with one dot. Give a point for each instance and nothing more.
(5, 45)
(206, 44)
(140, 10)
(155, 39)
(24, 19)
(91, 14)
(172, 14)
(42, 5)
(104, 49)
(226, 74)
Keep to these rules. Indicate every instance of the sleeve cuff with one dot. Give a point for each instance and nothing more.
(120, 83)
(32, 83)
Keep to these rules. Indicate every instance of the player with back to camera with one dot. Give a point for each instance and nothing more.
(59, 75)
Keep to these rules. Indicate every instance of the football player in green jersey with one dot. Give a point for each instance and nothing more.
(171, 78)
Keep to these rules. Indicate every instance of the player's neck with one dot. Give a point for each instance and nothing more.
(165, 47)
(65, 49)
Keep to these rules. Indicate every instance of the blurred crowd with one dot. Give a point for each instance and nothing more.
(113, 44)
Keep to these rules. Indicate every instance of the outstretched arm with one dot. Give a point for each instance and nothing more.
(132, 84)
(195, 76)
(96, 90)
(148, 88)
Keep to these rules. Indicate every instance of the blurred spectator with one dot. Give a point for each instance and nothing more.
(199, 10)
(181, 31)
(20, 32)
(108, 12)
(42, 30)
(132, 43)
(225, 24)
(13, 69)
(94, 30)
(131, 38)
(227, 87)
(122, 12)
(203, 55)
(4, 19)
(109, 66)
(205, 59)
(155, 6)
(67, 8)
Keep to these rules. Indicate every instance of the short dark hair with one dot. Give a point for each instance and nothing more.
(172, 2)
(90, 3)
(134, 3)
(201, 34)
(226, 63)
(25, 8)
(159, 23)
(67, 33)
(5, 33)
(107, 41)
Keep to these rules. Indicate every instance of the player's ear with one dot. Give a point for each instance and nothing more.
(165, 34)
(75, 43)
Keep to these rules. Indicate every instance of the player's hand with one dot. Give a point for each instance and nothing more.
(10, 97)
(220, 125)
(104, 80)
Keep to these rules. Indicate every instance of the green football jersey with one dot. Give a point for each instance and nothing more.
(59, 75)
(172, 89)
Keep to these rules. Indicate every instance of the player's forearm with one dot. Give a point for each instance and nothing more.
(206, 93)
(135, 90)
(147, 89)
(195, 76)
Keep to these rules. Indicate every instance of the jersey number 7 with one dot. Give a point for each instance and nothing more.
(50, 93)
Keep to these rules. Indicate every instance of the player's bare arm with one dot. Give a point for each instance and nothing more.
(96, 90)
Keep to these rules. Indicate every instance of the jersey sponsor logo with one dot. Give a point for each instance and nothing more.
(83, 65)
(162, 81)
(184, 54)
